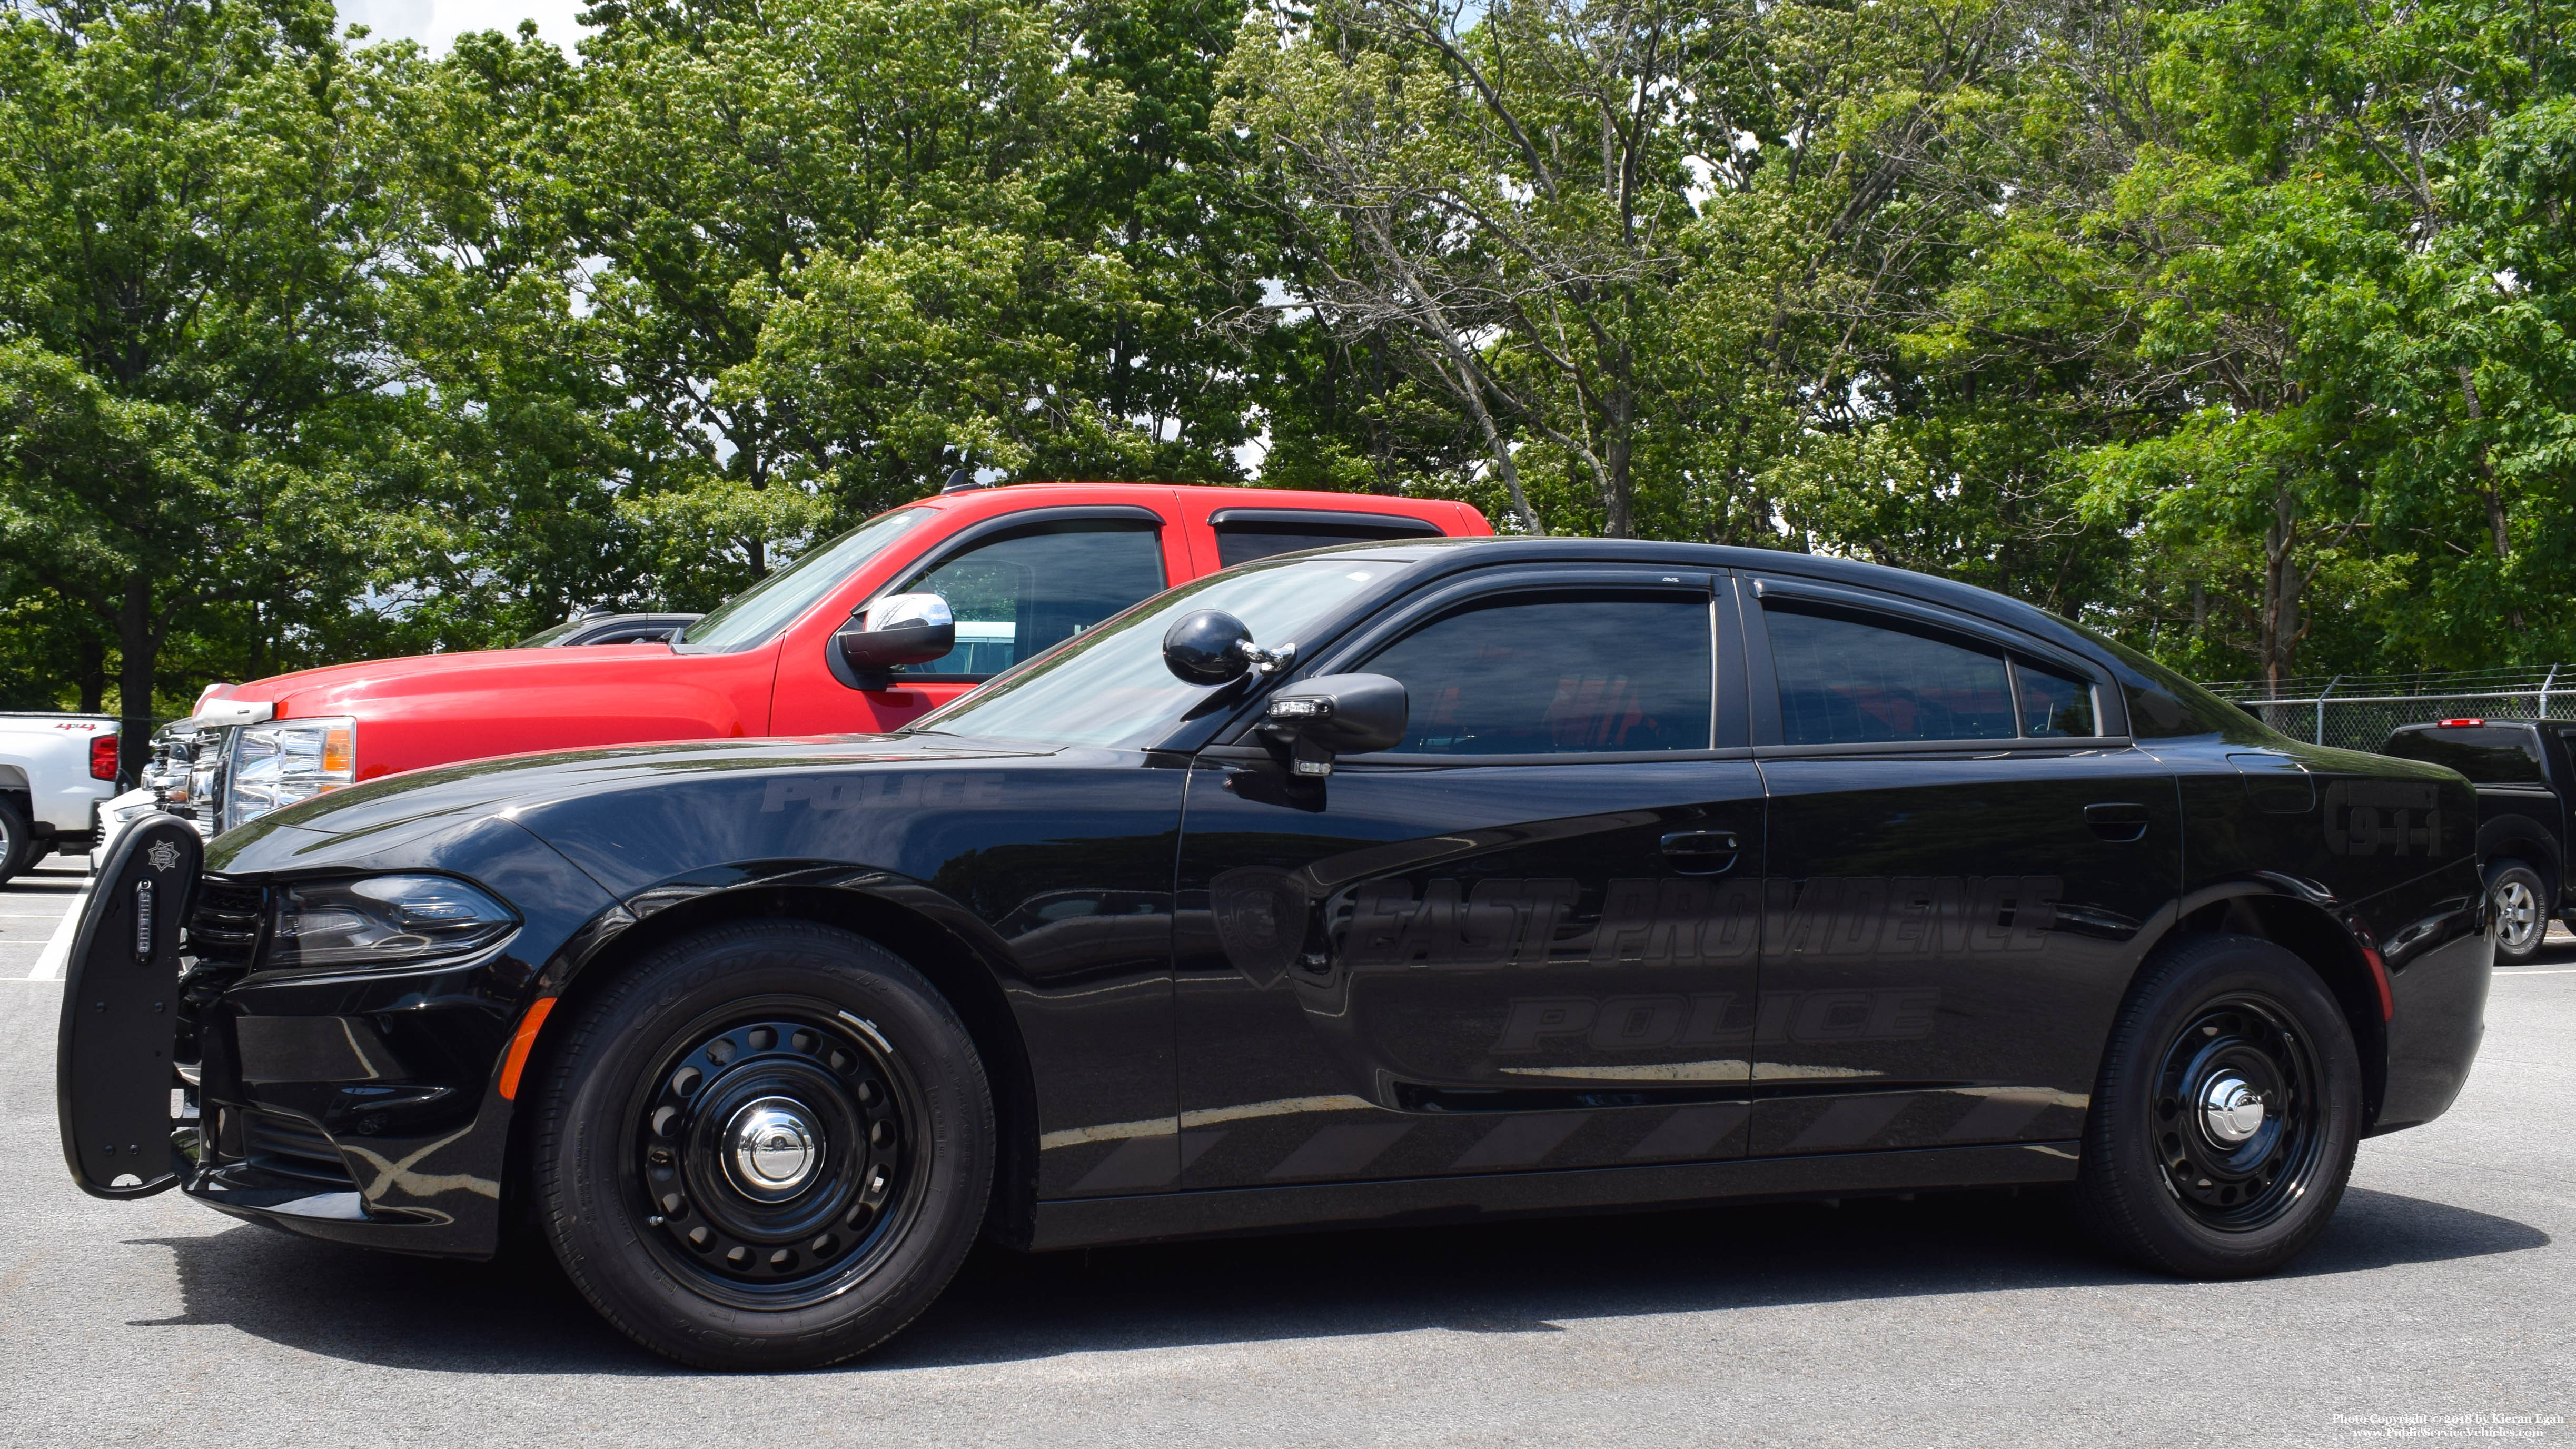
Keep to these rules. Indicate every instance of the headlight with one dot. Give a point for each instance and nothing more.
(383, 920)
(123, 815)
(283, 761)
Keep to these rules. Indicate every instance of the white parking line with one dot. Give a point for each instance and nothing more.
(2546, 971)
(50, 962)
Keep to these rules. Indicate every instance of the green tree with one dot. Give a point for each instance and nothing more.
(2270, 247)
(195, 407)
(843, 248)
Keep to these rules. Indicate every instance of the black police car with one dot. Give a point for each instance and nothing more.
(1395, 881)
(2523, 771)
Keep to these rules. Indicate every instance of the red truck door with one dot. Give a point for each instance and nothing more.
(1018, 578)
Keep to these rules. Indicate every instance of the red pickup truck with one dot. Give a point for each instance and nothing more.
(1020, 568)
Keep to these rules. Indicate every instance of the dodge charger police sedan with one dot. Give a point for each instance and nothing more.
(1396, 881)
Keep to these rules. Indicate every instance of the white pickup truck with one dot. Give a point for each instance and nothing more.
(55, 769)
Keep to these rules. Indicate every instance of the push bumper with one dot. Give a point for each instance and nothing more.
(361, 1106)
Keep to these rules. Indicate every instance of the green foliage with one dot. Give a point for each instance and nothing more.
(197, 416)
(2244, 329)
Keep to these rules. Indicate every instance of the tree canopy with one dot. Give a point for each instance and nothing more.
(2244, 330)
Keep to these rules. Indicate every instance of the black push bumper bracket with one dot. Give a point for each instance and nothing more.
(113, 1073)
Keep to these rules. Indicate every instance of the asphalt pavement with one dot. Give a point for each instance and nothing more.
(2441, 1304)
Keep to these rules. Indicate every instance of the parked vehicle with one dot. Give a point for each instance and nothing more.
(602, 627)
(54, 771)
(1393, 882)
(2524, 773)
(1022, 567)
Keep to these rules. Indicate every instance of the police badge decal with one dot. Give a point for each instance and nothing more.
(1260, 921)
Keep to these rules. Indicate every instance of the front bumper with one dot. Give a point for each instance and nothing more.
(361, 1106)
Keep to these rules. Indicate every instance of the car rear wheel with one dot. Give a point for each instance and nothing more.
(766, 1146)
(2520, 904)
(17, 841)
(2226, 1115)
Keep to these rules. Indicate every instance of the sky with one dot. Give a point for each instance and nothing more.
(437, 23)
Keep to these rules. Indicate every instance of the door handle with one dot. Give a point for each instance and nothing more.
(2118, 824)
(1701, 852)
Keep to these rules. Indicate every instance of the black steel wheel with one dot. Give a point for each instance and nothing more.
(2224, 1122)
(2519, 901)
(770, 1152)
(766, 1146)
(2239, 1114)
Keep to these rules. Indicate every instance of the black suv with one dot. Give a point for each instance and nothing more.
(2523, 773)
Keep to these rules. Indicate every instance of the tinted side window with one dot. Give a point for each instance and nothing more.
(1847, 682)
(2487, 756)
(1023, 592)
(2053, 705)
(2163, 705)
(1242, 542)
(1557, 674)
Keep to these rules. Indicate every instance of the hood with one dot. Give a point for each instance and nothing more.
(400, 807)
(333, 688)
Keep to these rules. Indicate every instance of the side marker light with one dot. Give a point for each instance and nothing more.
(520, 1045)
(2379, 978)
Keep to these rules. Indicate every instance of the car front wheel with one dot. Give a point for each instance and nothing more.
(2520, 904)
(766, 1146)
(2226, 1114)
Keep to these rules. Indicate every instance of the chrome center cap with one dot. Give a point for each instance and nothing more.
(772, 1148)
(2231, 1110)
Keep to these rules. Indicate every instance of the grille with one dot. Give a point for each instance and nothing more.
(291, 1145)
(224, 929)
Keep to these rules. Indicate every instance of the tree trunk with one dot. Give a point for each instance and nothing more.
(1619, 510)
(2486, 470)
(139, 647)
(89, 672)
(2281, 590)
(2496, 529)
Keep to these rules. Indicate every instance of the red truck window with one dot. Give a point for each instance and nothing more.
(1245, 534)
(1019, 592)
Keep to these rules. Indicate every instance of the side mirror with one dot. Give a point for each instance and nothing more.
(1211, 646)
(896, 629)
(1336, 714)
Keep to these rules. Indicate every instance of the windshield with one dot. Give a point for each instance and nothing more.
(760, 611)
(1109, 685)
(544, 637)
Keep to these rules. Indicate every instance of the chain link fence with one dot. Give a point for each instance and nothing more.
(2356, 711)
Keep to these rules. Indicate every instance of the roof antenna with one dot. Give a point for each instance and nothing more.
(960, 481)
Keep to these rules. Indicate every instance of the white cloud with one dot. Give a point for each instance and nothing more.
(437, 23)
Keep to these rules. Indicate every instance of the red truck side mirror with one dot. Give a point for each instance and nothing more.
(896, 629)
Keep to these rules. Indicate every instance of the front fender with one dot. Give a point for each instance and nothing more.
(400, 1071)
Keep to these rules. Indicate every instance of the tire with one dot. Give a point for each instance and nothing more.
(2520, 904)
(766, 1146)
(2161, 1183)
(17, 840)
